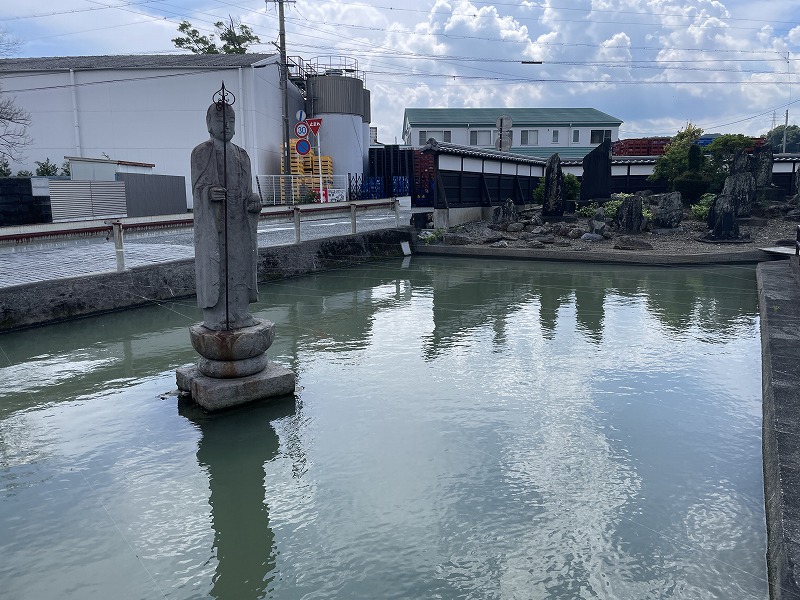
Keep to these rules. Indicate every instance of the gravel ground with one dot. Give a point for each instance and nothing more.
(776, 232)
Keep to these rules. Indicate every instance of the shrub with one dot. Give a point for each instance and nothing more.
(587, 211)
(572, 187)
(612, 206)
(692, 185)
(699, 211)
(538, 193)
(24, 173)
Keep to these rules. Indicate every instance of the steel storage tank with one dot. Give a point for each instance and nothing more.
(338, 100)
(366, 118)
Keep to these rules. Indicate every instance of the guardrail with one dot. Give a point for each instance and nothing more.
(116, 228)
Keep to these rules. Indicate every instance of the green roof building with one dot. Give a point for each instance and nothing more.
(539, 132)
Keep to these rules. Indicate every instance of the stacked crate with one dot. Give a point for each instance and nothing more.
(307, 171)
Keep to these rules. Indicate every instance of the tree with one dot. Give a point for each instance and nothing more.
(775, 138)
(721, 152)
(46, 168)
(235, 35)
(675, 160)
(5, 168)
(14, 121)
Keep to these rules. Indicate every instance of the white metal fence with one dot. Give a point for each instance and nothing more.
(301, 189)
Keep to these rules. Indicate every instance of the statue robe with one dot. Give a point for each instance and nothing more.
(209, 235)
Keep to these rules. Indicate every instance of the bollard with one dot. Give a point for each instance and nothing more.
(296, 224)
(353, 218)
(120, 251)
(396, 212)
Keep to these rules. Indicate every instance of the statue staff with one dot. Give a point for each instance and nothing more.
(221, 100)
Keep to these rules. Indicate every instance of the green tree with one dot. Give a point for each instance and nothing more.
(46, 168)
(24, 173)
(721, 153)
(675, 160)
(5, 168)
(65, 169)
(775, 138)
(235, 35)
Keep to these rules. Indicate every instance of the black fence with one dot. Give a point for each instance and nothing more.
(18, 205)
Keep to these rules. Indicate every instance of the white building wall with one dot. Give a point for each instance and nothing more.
(342, 137)
(461, 135)
(146, 115)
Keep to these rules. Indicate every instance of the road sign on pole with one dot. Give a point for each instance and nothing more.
(314, 125)
(303, 146)
(301, 129)
(301, 115)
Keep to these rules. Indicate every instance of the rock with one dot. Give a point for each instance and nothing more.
(510, 238)
(507, 213)
(554, 193)
(597, 224)
(668, 210)
(536, 229)
(592, 237)
(500, 244)
(515, 227)
(741, 188)
(629, 217)
(722, 219)
(562, 243)
(763, 166)
(535, 244)
(491, 239)
(596, 181)
(626, 242)
(427, 236)
(793, 215)
(575, 234)
(545, 239)
(457, 239)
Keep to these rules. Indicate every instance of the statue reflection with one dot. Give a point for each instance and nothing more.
(233, 449)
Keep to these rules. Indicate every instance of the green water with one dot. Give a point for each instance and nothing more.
(464, 429)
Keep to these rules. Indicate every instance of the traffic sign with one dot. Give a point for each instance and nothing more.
(301, 115)
(314, 125)
(301, 129)
(303, 146)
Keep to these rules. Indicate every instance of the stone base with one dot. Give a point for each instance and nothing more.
(218, 394)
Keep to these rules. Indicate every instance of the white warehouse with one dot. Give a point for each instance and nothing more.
(150, 109)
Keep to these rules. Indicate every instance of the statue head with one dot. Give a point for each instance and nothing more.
(215, 123)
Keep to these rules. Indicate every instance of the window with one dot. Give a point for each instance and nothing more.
(555, 136)
(529, 137)
(598, 136)
(482, 137)
(576, 136)
(441, 136)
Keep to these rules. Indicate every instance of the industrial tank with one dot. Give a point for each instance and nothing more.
(335, 94)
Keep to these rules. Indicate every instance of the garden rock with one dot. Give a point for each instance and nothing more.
(741, 188)
(515, 227)
(575, 234)
(626, 242)
(629, 217)
(592, 237)
(500, 244)
(457, 239)
(668, 210)
(554, 193)
(535, 244)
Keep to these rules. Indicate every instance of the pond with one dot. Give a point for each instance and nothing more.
(463, 429)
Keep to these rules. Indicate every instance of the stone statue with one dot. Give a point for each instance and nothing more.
(233, 367)
(225, 239)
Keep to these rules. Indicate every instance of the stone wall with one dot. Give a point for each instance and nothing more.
(63, 299)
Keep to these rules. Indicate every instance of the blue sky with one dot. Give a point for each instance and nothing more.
(728, 66)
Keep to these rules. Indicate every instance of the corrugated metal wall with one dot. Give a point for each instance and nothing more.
(150, 195)
(76, 200)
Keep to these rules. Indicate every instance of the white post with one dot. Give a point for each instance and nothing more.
(396, 212)
(319, 162)
(352, 218)
(120, 251)
(296, 224)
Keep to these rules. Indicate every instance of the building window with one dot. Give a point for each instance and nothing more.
(598, 136)
(529, 137)
(482, 137)
(576, 136)
(555, 136)
(438, 135)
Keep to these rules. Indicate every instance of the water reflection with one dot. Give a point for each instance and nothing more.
(233, 449)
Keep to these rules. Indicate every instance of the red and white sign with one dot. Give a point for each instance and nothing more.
(314, 125)
(301, 129)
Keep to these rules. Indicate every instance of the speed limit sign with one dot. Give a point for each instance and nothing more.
(301, 129)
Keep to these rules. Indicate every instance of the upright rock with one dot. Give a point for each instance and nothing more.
(667, 210)
(596, 181)
(554, 193)
(629, 216)
(762, 169)
(722, 219)
(741, 189)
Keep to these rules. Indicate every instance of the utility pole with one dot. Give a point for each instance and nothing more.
(786, 123)
(284, 77)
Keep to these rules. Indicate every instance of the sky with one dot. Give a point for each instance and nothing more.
(727, 66)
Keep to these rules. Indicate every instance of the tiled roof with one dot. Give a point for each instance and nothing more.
(130, 61)
(477, 117)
